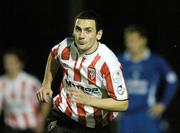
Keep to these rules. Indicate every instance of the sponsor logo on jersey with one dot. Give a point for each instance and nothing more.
(90, 91)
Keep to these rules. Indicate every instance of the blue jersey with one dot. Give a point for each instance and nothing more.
(143, 79)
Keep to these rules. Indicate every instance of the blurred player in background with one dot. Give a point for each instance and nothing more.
(144, 71)
(93, 89)
(18, 96)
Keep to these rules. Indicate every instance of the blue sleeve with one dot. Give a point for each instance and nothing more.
(170, 79)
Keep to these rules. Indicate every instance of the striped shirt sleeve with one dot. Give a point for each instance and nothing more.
(114, 80)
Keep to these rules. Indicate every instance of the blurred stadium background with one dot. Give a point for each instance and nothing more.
(36, 26)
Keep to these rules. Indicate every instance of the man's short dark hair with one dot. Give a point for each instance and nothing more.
(90, 14)
(17, 52)
(136, 28)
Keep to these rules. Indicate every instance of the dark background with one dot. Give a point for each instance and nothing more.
(36, 26)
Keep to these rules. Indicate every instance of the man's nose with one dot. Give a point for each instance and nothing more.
(82, 34)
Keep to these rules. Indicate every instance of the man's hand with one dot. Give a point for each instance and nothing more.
(157, 110)
(79, 96)
(44, 94)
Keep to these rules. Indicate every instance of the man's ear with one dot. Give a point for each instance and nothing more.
(99, 34)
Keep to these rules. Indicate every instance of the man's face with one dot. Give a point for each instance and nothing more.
(12, 64)
(134, 42)
(85, 34)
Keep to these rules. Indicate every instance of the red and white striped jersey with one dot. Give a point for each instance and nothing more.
(18, 101)
(98, 74)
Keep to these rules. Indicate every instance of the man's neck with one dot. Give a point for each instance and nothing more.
(137, 56)
(12, 75)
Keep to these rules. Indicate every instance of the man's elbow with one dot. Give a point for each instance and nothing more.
(124, 106)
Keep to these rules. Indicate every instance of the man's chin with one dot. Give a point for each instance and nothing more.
(81, 46)
(82, 49)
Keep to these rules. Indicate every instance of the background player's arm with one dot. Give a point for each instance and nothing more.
(171, 83)
(110, 104)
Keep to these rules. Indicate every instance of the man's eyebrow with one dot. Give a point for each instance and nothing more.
(86, 28)
(77, 27)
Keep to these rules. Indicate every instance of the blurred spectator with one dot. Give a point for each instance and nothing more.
(17, 96)
(144, 72)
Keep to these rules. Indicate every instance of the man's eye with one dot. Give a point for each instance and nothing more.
(88, 31)
(77, 30)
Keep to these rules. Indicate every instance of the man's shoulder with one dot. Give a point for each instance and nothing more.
(68, 41)
(157, 57)
(106, 53)
(29, 76)
(2, 79)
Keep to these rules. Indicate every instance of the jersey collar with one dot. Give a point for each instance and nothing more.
(147, 54)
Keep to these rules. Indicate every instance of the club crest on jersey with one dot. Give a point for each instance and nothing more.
(91, 73)
(117, 77)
